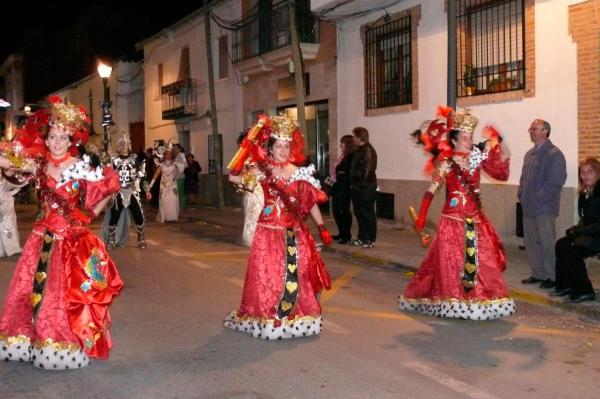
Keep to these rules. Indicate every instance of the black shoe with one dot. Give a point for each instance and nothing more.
(583, 297)
(530, 280)
(561, 292)
(358, 243)
(343, 241)
(547, 284)
(336, 237)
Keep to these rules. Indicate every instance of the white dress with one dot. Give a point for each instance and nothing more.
(9, 235)
(254, 202)
(168, 201)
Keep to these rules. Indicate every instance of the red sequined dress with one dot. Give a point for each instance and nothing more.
(461, 275)
(55, 314)
(285, 270)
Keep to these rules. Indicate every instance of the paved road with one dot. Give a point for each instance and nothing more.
(169, 341)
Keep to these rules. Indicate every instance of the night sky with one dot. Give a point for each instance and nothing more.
(62, 41)
(54, 15)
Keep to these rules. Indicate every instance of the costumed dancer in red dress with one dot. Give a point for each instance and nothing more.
(285, 270)
(55, 314)
(461, 275)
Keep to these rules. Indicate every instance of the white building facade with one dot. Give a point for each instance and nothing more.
(538, 80)
(177, 92)
(126, 84)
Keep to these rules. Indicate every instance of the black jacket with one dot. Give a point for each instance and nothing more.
(364, 164)
(589, 220)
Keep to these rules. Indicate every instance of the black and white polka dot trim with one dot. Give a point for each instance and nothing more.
(49, 358)
(46, 357)
(18, 351)
(81, 170)
(306, 174)
(453, 308)
(476, 158)
(265, 329)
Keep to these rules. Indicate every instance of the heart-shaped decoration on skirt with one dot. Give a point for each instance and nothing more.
(40, 276)
(291, 287)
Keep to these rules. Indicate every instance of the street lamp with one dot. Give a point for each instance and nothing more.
(104, 72)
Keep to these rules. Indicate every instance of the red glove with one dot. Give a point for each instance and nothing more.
(422, 218)
(78, 217)
(325, 235)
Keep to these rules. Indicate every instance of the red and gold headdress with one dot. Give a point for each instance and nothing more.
(253, 145)
(464, 120)
(66, 116)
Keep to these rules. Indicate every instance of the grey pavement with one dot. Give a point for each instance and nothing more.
(401, 249)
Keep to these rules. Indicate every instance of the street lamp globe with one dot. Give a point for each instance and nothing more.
(104, 71)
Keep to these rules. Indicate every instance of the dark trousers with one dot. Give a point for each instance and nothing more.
(363, 202)
(340, 204)
(134, 207)
(570, 266)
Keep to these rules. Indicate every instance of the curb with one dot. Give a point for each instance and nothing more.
(519, 295)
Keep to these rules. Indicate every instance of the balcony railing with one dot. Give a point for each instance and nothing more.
(179, 99)
(268, 30)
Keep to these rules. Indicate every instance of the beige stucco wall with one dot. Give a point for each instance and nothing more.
(165, 48)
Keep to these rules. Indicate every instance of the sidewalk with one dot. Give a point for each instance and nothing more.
(402, 250)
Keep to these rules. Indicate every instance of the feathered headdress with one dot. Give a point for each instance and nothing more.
(66, 116)
(433, 135)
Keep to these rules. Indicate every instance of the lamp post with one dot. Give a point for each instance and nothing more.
(104, 72)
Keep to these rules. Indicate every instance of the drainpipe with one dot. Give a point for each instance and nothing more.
(451, 12)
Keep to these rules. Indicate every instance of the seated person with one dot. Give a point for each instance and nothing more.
(582, 240)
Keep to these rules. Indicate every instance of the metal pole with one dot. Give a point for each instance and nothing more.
(106, 115)
(298, 67)
(451, 53)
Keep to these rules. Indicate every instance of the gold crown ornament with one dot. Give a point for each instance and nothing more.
(67, 116)
(464, 120)
(282, 127)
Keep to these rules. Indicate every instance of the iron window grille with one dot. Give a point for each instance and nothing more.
(388, 75)
(490, 46)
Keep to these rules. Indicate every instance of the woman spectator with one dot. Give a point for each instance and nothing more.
(341, 193)
(582, 240)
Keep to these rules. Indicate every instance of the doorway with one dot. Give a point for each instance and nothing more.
(316, 136)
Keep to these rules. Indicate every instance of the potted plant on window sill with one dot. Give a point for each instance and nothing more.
(470, 79)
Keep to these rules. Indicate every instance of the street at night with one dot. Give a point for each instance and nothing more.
(169, 341)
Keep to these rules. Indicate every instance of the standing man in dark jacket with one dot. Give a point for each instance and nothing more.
(544, 174)
(363, 182)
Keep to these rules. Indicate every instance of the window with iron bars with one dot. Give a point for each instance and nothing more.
(490, 46)
(388, 77)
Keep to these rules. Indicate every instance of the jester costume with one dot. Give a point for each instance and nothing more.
(461, 275)
(55, 313)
